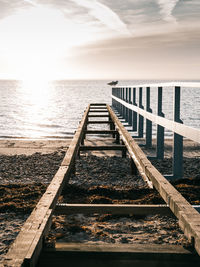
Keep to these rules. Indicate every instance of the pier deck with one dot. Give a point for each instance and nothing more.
(28, 249)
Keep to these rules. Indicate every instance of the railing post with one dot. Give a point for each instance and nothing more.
(126, 113)
(160, 129)
(178, 139)
(123, 107)
(130, 111)
(148, 122)
(141, 118)
(134, 116)
(120, 96)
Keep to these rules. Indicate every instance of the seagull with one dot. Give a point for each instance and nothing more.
(113, 83)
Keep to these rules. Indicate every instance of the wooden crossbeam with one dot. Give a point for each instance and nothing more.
(64, 209)
(107, 147)
(97, 104)
(98, 116)
(101, 132)
(99, 110)
(118, 255)
(99, 122)
(96, 107)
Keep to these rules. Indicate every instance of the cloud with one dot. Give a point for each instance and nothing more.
(33, 3)
(166, 9)
(105, 15)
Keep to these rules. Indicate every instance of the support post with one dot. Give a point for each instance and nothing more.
(130, 111)
(160, 129)
(178, 139)
(148, 122)
(134, 116)
(126, 99)
(141, 118)
(123, 107)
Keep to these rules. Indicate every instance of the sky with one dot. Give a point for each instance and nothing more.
(99, 39)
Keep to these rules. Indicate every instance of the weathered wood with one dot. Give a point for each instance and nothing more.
(96, 107)
(188, 217)
(62, 209)
(181, 129)
(98, 116)
(118, 255)
(28, 244)
(99, 111)
(99, 122)
(106, 147)
(101, 132)
(98, 104)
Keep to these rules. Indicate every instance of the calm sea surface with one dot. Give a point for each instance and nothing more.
(53, 110)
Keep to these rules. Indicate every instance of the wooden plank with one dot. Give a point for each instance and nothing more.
(96, 107)
(106, 147)
(101, 132)
(62, 209)
(181, 129)
(188, 217)
(28, 244)
(99, 111)
(97, 104)
(98, 116)
(118, 255)
(99, 122)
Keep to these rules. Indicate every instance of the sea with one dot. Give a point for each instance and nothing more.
(51, 110)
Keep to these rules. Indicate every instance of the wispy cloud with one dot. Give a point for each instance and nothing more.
(104, 14)
(33, 3)
(166, 9)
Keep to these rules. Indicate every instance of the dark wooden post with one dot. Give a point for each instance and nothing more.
(148, 122)
(160, 129)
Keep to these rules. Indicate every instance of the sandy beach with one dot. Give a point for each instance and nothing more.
(27, 167)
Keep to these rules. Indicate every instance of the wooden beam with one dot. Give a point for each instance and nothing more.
(99, 110)
(101, 132)
(118, 255)
(188, 217)
(98, 116)
(99, 122)
(107, 147)
(62, 209)
(27, 246)
(98, 104)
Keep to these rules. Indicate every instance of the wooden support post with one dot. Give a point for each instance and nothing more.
(134, 116)
(178, 139)
(123, 107)
(160, 129)
(126, 99)
(130, 114)
(141, 118)
(148, 122)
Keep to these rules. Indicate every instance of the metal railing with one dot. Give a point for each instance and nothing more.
(125, 103)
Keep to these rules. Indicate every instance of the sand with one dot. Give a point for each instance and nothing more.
(27, 167)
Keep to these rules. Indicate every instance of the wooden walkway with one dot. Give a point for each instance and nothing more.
(28, 249)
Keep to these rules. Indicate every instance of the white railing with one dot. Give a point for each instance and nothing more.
(124, 102)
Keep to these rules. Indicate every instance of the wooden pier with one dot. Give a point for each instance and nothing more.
(28, 249)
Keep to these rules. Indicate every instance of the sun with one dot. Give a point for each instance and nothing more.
(36, 40)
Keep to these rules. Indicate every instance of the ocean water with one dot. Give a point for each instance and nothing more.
(53, 110)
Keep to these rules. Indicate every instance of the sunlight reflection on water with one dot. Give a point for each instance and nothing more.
(52, 110)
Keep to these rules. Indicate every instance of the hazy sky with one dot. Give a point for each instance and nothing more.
(106, 39)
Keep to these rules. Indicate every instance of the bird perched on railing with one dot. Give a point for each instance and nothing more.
(113, 83)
